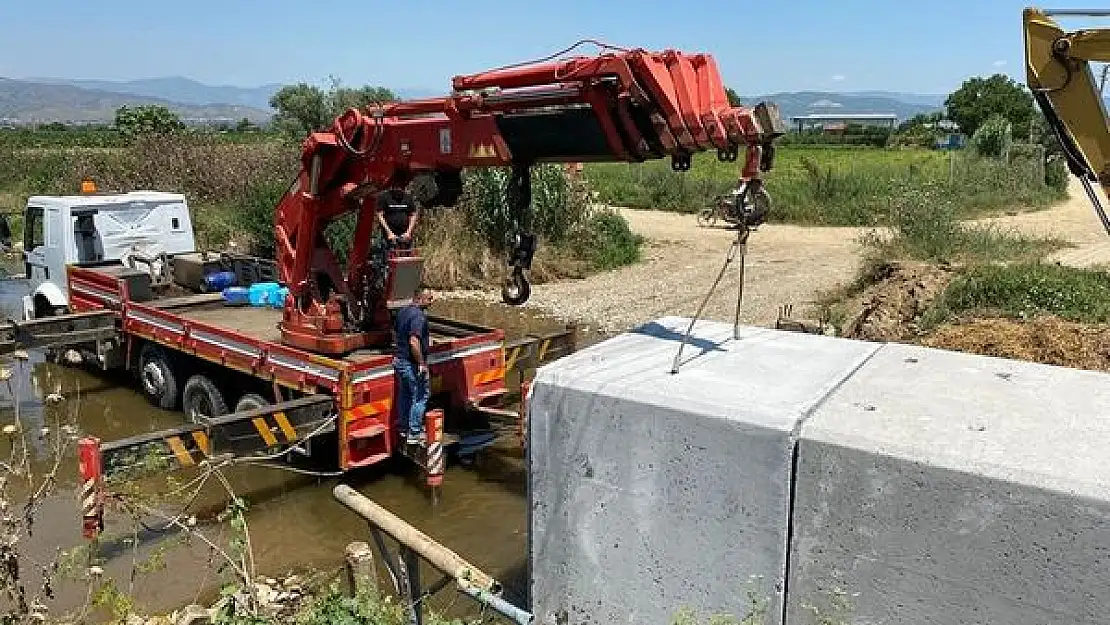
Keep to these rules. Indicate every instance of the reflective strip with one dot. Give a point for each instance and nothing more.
(511, 357)
(88, 497)
(462, 353)
(435, 458)
(304, 367)
(168, 326)
(104, 296)
(369, 409)
(178, 449)
(201, 439)
(286, 427)
(229, 344)
(371, 374)
(485, 377)
(264, 431)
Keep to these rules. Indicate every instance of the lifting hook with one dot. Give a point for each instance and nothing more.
(516, 289)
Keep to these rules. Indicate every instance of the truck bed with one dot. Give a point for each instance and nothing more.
(261, 323)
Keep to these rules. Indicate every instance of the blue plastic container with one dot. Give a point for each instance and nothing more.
(236, 295)
(219, 281)
(263, 293)
(277, 297)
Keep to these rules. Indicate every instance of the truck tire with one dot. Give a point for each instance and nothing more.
(157, 377)
(251, 401)
(201, 400)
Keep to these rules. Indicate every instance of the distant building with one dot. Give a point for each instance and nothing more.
(837, 122)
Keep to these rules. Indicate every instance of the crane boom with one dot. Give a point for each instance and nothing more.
(617, 106)
(1058, 72)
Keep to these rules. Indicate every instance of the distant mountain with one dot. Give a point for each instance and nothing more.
(923, 99)
(35, 102)
(189, 91)
(177, 89)
(903, 105)
(82, 100)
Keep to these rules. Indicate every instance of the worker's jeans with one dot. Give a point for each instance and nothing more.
(412, 399)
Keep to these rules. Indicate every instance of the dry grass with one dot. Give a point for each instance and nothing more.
(1048, 340)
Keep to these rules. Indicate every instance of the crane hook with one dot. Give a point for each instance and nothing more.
(516, 289)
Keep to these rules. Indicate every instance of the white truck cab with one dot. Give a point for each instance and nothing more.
(95, 229)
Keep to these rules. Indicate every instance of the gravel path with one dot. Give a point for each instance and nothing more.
(785, 265)
(1074, 221)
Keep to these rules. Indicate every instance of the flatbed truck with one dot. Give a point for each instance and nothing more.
(245, 393)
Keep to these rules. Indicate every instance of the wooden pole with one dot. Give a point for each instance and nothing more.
(361, 575)
(439, 556)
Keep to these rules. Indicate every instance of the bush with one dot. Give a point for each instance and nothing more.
(1056, 174)
(559, 204)
(993, 137)
(611, 242)
(1030, 289)
(925, 225)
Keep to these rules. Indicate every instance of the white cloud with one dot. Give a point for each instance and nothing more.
(838, 77)
(999, 63)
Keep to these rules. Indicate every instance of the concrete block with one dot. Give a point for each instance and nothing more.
(947, 488)
(651, 492)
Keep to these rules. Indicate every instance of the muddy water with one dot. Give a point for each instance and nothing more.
(294, 522)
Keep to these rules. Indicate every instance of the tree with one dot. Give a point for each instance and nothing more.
(979, 98)
(147, 119)
(300, 108)
(921, 120)
(733, 97)
(245, 125)
(303, 108)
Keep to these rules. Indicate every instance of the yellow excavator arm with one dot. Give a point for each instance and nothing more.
(1058, 72)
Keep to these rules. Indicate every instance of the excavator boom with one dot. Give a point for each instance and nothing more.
(1058, 72)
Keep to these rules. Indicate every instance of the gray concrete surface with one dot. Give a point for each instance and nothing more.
(652, 492)
(936, 487)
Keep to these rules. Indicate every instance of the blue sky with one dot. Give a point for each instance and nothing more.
(839, 45)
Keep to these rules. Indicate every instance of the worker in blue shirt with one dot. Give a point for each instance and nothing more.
(410, 364)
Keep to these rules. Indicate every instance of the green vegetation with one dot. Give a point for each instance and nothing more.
(234, 188)
(978, 99)
(925, 225)
(147, 120)
(836, 186)
(1027, 290)
(304, 108)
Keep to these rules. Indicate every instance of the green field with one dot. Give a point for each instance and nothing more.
(835, 186)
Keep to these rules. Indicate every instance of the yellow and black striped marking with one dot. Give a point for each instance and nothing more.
(236, 435)
(190, 448)
(275, 429)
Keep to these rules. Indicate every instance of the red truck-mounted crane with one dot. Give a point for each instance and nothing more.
(260, 382)
(620, 105)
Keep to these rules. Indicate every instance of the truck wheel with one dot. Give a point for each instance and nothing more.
(157, 377)
(201, 400)
(251, 401)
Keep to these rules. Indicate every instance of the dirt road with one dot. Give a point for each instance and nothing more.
(1074, 221)
(785, 265)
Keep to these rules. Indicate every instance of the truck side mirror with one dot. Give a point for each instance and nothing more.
(5, 233)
